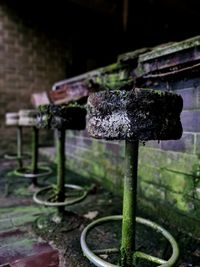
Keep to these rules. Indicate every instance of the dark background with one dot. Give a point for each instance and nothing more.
(99, 30)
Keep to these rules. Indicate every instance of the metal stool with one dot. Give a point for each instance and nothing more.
(60, 118)
(133, 115)
(27, 118)
(12, 120)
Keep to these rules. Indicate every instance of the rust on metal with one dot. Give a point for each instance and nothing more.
(169, 59)
(67, 93)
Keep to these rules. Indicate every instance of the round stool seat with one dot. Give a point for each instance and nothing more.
(12, 118)
(62, 117)
(28, 117)
(139, 114)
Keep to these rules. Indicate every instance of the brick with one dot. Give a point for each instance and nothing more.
(26, 66)
(197, 151)
(149, 174)
(167, 159)
(113, 149)
(154, 144)
(185, 144)
(190, 121)
(165, 178)
(87, 141)
(189, 97)
(178, 201)
(151, 191)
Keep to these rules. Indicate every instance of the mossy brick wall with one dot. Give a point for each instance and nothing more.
(169, 182)
(31, 61)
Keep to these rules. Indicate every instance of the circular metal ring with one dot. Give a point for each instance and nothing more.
(27, 172)
(51, 190)
(12, 156)
(97, 261)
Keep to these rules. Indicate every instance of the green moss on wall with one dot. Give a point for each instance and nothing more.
(166, 178)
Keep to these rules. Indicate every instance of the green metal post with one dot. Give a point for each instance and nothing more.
(60, 166)
(19, 146)
(35, 154)
(129, 203)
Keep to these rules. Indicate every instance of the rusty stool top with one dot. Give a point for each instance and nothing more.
(62, 117)
(28, 117)
(139, 114)
(12, 118)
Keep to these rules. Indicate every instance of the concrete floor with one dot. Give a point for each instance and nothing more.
(21, 242)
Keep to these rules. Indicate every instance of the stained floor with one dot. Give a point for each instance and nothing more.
(20, 217)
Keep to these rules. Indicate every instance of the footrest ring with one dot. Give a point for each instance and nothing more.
(13, 156)
(27, 172)
(51, 196)
(97, 261)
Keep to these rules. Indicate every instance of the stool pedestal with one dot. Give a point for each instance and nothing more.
(128, 253)
(61, 118)
(19, 155)
(138, 114)
(61, 194)
(129, 203)
(34, 171)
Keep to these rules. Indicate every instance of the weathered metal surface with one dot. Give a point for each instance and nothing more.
(111, 77)
(166, 60)
(41, 98)
(12, 118)
(78, 78)
(140, 114)
(66, 93)
(60, 148)
(128, 242)
(72, 116)
(171, 48)
(133, 55)
(27, 117)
